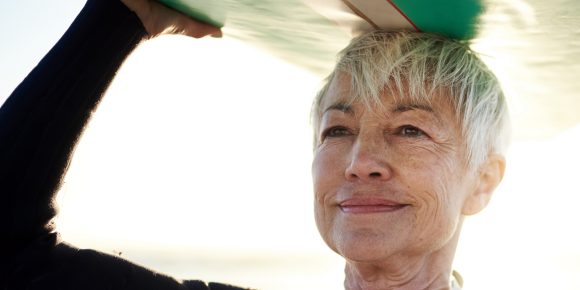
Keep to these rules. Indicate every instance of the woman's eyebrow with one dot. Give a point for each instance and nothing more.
(405, 107)
(340, 106)
(408, 107)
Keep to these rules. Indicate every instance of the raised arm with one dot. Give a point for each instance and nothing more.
(43, 118)
(41, 122)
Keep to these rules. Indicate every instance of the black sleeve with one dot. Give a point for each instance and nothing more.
(42, 120)
(40, 123)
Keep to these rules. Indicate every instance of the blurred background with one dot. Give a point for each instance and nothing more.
(197, 163)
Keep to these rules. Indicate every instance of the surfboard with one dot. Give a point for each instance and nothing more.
(309, 33)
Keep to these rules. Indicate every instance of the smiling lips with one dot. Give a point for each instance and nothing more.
(369, 205)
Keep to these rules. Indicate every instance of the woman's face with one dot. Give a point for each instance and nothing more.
(391, 181)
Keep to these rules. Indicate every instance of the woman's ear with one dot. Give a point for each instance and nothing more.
(489, 176)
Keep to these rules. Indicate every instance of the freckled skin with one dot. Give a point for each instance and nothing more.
(413, 156)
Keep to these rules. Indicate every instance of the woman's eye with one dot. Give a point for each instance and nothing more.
(411, 131)
(335, 132)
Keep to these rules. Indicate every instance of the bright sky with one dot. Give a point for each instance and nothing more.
(201, 152)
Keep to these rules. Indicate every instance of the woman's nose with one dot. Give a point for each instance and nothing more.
(368, 162)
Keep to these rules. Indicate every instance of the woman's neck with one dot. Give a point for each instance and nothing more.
(413, 277)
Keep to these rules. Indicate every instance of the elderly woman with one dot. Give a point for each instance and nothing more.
(410, 131)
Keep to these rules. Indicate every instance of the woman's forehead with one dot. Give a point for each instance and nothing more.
(341, 94)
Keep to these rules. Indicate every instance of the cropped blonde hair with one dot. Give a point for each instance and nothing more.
(417, 65)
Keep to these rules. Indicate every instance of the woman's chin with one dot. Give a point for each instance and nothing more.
(366, 248)
(361, 257)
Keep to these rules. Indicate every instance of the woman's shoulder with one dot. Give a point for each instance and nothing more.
(66, 267)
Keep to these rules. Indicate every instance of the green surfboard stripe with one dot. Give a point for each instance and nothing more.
(456, 19)
(203, 11)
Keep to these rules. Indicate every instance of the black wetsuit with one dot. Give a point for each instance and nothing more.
(40, 123)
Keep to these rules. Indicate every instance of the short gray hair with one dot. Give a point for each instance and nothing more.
(417, 65)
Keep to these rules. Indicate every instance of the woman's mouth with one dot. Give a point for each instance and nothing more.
(369, 205)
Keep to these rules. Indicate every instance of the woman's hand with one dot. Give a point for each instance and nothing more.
(159, 19)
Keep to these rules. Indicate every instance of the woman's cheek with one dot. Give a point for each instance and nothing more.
(331, 154)
(325, 186)
(326, 171)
